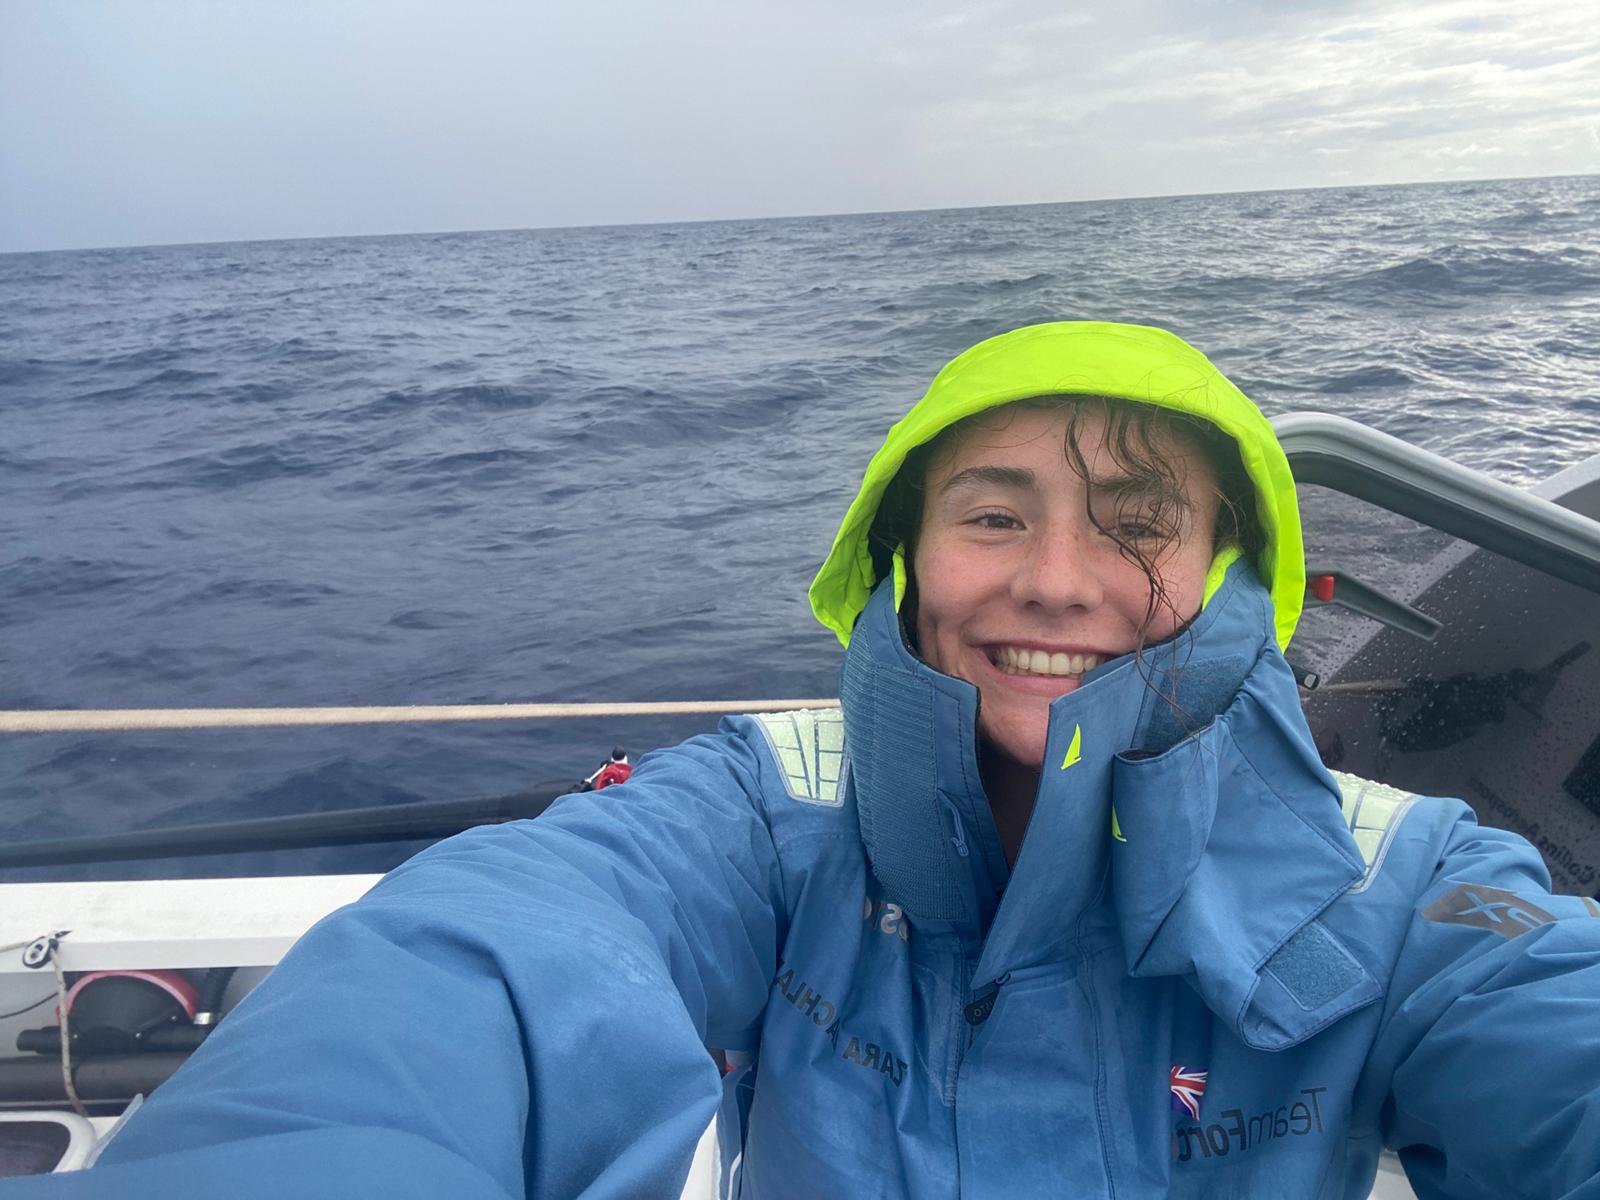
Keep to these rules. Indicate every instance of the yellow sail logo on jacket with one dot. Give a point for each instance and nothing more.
(1074, 751)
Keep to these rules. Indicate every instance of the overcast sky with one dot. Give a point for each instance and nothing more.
(130, 122)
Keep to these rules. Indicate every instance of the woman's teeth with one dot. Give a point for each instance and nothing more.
(1015, 660)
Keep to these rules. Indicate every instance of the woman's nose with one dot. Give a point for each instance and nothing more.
(1061, 570)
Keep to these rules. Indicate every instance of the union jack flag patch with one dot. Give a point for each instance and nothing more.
(1187, 1088)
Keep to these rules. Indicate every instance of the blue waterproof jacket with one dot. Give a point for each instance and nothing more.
(1216, 970)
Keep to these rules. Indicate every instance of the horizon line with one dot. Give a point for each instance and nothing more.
(873, 212)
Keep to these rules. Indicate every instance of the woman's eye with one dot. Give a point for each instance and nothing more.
(1147, 529)
(996, 520)
(1139, 531)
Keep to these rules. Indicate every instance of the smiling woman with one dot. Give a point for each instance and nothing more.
(1060, 902)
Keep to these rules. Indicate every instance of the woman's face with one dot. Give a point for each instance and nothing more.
(1019, 593)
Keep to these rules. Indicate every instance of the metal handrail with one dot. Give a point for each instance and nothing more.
(1344, 455)
(125, 720)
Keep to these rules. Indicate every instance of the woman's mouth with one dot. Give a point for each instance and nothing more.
(1020, 660)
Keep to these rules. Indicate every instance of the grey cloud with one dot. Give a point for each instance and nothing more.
(1407, 82)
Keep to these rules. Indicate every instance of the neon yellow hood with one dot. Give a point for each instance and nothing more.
(1131, 362)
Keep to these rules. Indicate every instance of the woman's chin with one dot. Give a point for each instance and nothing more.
(1016, 723)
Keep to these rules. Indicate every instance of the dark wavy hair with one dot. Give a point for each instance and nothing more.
(1134, 438)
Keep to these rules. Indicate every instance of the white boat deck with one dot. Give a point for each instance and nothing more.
(129, 924)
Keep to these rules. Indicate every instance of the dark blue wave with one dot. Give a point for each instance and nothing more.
(1462, 274)
(1364, 379)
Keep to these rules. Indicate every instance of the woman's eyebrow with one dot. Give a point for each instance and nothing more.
(1136, 486)
(1017, 478)
(1138, 489)
(1125, 485)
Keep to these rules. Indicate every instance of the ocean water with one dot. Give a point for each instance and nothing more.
(602, 464)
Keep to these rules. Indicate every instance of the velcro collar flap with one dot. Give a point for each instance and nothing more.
(1224, 870)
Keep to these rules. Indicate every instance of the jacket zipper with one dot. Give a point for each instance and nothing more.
(1086, 980)
(978, 1009)
(975, 1012)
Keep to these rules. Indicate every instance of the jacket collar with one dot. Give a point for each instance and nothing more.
(910, 733)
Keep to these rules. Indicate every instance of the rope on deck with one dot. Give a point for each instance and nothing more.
(126, 719)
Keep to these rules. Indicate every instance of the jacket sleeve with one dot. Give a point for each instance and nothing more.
(523, 1007)
(1491, 1043)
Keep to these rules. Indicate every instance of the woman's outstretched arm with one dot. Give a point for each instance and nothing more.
(1491, 1044)
(521, 1009)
